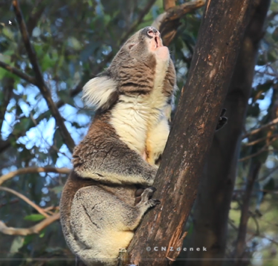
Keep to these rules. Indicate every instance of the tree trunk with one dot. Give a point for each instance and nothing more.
(220, 36)
(216, 187)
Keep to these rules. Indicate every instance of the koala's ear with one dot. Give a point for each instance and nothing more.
(101, 92)
(131, 45)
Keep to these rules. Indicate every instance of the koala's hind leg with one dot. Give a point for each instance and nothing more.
(102, 223)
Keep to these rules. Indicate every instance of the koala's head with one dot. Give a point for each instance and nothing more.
(132, 71)
(144, 46)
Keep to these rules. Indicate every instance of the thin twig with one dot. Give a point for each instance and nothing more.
(35, 16)
(18, 73)
(240, 245)
(255, 131)
(256, 223)
(270, 239)
(268, 174)
(7, 92)
(27, 170)
(39, 78)
(258, 140)
(49, 209)
(31, 230)
(264, 148)
(265, 73)
(255, 154)
(35, 206)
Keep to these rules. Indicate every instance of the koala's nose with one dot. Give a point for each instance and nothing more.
(152, 32)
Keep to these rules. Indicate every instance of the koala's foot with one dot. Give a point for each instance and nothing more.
(146, 199)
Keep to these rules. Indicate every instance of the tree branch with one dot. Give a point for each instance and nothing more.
(39, 78)
(268, 174)
(31, 230)
(255, 131)
(251, 143)
(35, 206)
(35, 17)
(264, 148)
(27, 170)
(7, 90)
(167, 4)
(168, 22)
(18, 73)
(242, 229)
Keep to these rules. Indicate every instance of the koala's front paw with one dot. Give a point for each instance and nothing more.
(147, 193)
(146, 198)
(153, 202)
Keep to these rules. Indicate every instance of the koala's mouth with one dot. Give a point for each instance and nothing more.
(156, 43)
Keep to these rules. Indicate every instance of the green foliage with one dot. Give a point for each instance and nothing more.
(34, 217)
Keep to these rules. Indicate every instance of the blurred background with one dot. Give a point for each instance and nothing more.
(236, 211)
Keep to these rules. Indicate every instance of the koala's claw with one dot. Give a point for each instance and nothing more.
(154, 202)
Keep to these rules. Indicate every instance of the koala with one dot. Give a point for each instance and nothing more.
(127, 135)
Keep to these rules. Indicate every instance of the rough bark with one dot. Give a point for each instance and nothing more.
(215, 191)
(220, 36)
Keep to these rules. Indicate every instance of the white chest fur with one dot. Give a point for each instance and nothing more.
(134, 117)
